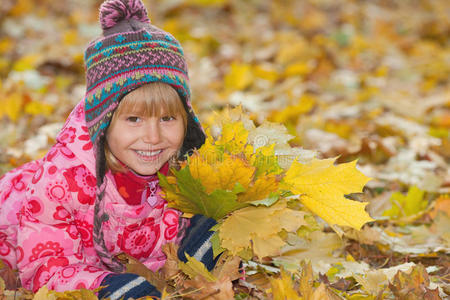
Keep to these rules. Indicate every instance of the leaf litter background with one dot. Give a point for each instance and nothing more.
(353, 79)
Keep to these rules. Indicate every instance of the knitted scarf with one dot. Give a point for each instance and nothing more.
(135, 188)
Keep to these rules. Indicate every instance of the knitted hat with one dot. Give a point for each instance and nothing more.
(130, 54)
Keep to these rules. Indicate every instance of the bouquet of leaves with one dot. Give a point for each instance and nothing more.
(260, 190)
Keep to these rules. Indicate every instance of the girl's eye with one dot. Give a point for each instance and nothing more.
(167, 118)
(133, 119)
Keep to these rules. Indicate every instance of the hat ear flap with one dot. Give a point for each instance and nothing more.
(194, 139)
(100, 160)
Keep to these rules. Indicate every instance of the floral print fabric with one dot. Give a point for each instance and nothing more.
(46, 217)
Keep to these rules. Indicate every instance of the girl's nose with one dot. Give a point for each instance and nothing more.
(151, 134)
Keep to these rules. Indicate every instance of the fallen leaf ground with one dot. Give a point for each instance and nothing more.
(353, 79)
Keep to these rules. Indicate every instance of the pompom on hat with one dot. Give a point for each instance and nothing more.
(131, 53)
(112, 12)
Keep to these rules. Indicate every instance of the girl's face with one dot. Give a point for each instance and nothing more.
(145, 143)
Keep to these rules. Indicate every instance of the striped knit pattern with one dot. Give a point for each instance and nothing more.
(125, 286)
(197, 241)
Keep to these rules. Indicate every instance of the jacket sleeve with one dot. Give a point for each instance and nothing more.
(55, 236)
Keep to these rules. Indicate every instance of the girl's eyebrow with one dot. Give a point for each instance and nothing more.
(130, 114)
(135, 111)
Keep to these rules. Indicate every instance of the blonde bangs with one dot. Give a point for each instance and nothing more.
(152, 100)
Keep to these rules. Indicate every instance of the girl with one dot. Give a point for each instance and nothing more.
(95, 194)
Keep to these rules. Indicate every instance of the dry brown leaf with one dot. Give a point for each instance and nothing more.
(2, 288)
(367, 235)
(259, 280)
(441, 204)
(323, 292)
(222, 289)
(413, 285)
(10, 278)
(136, 267)
(170, 268)
(227, 266)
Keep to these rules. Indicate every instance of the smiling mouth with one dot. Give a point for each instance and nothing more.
(148, 155)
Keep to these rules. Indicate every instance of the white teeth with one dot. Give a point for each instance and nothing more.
(148, 153)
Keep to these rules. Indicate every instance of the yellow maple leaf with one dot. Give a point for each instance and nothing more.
(291, 113)
(267, 246)
(306, 280)
(209, 151)
(259, 227)
(265, 160)
(38, 108)
(292, 49)
(283, 287)
(27, 62)
(70, 37)
(260, 189)
(216, 120)
(6, 44)
(221, 175)
(194, 268)
(404, 206)
(322, 187)
(239, 77)
(234, 138)
(21, 7)
(45, 294)
(267, 72)
(344, 130)
(299, 68)
(11, 106)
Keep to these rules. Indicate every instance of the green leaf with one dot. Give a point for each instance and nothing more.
(266, 161)
(191, 196)
(215, 242)
(273, 197)
(238, 188)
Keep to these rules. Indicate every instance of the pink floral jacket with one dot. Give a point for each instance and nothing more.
(46, 217)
